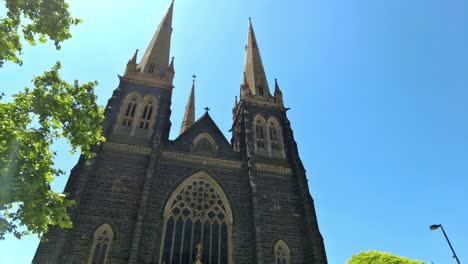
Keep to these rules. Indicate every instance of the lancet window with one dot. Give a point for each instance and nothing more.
(146, 114)
(198, 222)
(103, 237)
(260, 133)
(129, 113)
(282, 253)
(275, 141)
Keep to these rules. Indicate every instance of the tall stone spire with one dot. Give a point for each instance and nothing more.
(156, 57)
(254, 76)
(189, 116)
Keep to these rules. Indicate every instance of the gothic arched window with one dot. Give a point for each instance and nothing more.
(147, 113)
(103, 237)
(260, 139)
(282, 253)
(129, 113)
(204, 144)
(275, 140)
(197, 223)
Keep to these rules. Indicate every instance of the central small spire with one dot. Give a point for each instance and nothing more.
(254, 73)
(156, 57)
(189, 116)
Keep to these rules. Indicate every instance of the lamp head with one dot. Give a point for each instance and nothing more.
(434, 227)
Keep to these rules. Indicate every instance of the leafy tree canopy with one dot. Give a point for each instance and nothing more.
(38, 20)
(29, 125)
(377, 257)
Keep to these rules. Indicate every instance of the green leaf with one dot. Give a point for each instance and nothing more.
(26, 160)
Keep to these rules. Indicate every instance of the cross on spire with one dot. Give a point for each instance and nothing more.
(207, 109)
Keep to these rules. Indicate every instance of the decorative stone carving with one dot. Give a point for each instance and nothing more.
(273, 169)
(201, 160)
(109, 146)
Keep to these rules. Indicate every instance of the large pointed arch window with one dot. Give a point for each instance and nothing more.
(282, 253)
(129, 110)
(103, 237)
(197, 223)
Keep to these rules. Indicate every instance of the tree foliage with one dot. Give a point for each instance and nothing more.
(377, 257)
(29, 125)
(38, 20)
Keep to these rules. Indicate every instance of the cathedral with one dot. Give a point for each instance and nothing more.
(198, 198)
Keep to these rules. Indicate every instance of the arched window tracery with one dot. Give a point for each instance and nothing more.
(282, 253)
(275, 138)
(260, 138)
(147, 113)
(204, 144)
(103, 237)
(129, 113)
(198, 219)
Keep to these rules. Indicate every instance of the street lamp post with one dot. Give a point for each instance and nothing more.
(435, 227)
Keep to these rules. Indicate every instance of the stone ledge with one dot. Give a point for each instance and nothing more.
(138, 77)
(273, 169)
(166, 155)
(110, 146)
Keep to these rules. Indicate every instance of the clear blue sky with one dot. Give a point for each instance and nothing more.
(378, 92)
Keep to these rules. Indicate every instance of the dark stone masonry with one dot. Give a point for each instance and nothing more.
(198, 198)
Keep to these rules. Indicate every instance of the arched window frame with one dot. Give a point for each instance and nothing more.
(147, 112)
(134, 121)
(129, 111)
(260, 135)
(282, 252)
(275, 141)
(169, 207)
(102, 236)
(207, 137)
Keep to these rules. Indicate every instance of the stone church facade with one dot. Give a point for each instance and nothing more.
(198, 198)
